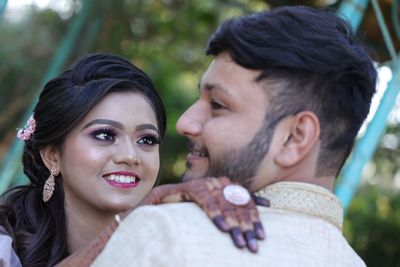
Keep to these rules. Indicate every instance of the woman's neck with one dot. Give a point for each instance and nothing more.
(84, 224)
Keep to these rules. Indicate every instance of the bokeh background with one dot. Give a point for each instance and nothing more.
(167, 38)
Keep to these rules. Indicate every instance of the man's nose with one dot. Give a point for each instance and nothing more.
(191, 122)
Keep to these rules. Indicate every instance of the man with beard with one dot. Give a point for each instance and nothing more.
(279, 110)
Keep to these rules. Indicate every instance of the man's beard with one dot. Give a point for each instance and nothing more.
(241, 165)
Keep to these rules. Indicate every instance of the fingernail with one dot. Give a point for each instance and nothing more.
(260, 233)
(252, 245)
(240, 240)
(221, 224)
(237, 237)
(224, 225)
(261, 201)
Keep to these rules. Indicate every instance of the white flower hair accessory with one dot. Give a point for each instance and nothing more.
(28, 130)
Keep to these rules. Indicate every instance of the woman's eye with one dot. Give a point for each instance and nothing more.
(104, 135)
(149, 140)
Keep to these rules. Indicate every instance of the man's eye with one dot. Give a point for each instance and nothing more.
(104, 135)
(149, 140)
(216, 105)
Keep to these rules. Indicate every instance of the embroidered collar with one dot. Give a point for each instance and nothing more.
(305, 198)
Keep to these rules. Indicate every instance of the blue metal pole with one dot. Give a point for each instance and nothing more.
(384, 30)
(353, 11)
(395, 17)
(364, 149)
(10, 168)
(3, 5)
(366, 146)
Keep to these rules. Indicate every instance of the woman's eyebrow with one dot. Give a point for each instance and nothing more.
(146, 126)
(104, 121)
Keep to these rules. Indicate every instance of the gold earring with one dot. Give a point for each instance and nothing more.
(49, 185)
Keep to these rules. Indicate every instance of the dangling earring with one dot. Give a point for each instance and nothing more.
(49, 185)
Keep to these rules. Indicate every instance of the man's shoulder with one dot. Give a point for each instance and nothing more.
(170, 207)
(184, 235)
(175, 213)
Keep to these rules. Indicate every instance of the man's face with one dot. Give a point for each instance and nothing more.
(226, 127)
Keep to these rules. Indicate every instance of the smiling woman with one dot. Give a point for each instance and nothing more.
(91, 151)
(119, 165)
(121, 152)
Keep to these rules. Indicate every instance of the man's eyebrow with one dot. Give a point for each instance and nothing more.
(216, 87)
(116, 124)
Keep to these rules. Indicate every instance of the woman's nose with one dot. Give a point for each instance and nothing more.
(126, 153)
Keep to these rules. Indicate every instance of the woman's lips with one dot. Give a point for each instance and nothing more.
(122, 179)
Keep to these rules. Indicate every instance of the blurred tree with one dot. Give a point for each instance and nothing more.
(167, 39)
(372, 226)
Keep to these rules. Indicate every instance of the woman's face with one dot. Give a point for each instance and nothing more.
(110, 160)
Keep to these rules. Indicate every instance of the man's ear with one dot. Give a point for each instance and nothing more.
(51, 157)
(303, 135)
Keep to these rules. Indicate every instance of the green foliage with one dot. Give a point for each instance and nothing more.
(372, 226)
(167, 39)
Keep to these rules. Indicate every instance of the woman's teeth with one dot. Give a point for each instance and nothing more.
(121, 178)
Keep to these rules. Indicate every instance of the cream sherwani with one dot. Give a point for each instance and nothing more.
(303, 228)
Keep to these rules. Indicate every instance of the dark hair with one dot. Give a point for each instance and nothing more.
(309, 60)
(39, 229)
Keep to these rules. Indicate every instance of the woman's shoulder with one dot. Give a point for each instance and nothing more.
(8, 258)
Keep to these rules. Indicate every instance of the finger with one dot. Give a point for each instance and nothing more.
(235, 216)
(224, 181)
(237, 237)
(205, 193)
(211, 198)
(248, 231)
(255, 219)
(214, 210)
(229, 215)
(216, 183)
(211, 207)
(244, 218)
(227, 210)
(219, 221)
(197, 188)
(247, 226)
(259, 229)
(251, 241)
(260, 201)
(213, 183)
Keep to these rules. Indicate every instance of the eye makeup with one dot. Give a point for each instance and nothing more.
(105, 134)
